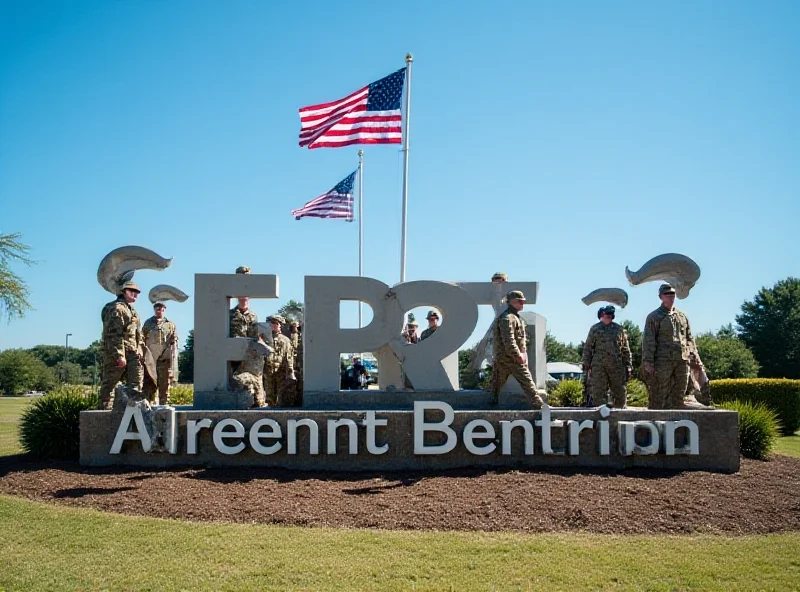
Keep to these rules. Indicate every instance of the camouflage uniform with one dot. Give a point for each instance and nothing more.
(427, 333)
(297, 343)
(666, 344)
(249, 376)
(243, 323)
(279, 378)
(607, 354)
(509, 339)
(160, 337)
(122, 338)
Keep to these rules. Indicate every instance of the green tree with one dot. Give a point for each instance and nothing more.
(725, 355)
(51, 355)
(69, 372)
(558, 351)
(292, 310)
(635, 343)
(86, 357)
(770, 327)
(186, 360)
(21, 371)
(14, 292)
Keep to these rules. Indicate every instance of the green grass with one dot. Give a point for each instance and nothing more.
(53, 548)
(789, 445)
(10, 410)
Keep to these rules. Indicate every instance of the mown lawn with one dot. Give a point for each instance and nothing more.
(47, 547)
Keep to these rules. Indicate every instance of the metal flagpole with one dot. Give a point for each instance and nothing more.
(407, 117)
(360, 225)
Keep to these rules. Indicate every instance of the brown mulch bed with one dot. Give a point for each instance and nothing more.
(763, 497)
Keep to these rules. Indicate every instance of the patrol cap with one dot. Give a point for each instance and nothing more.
(276, 319)
(242, 269)
(515, 295)
(432, 314)
(500, 276)
(159, 303)
(665, 289)
(130, 286)
(411, 320)
(609, 310)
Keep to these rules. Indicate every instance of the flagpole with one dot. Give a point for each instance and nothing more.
(409, 60)
(360, 226)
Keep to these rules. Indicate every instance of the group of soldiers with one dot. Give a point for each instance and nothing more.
(145, 357)
(272, 373)
(669, 353)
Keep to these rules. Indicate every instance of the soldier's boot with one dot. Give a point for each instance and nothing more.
(537, 402)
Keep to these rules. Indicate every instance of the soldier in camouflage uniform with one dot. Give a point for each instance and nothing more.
(122, 343)
(667, 349)
(243, 320)
(279, 377)
(296, 337)
(433, 319)
(249, 376)
(161, 338)
(509, 341)
(607, 355)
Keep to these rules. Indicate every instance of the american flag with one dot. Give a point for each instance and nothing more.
(336, 203)
(371, 115)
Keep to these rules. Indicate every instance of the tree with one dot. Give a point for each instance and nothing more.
(14, 292)
(725, 355)
(186, 360)
(69, 372)
(770, 327)
(635, 343)
(21, 371)
(558, 351)
(292, 310)
(51, 355)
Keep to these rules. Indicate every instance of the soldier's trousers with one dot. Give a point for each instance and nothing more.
(132, 373)
(280, 390)
(503, 368)
(605, 377)
(162, 374)
(668, 386)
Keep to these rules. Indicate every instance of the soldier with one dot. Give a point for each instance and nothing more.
(510, 350)
(667, 349)
(279, 377)
(243, 320)
(296, 337)
(499, 278)
(433, 320)
(607, 356)
(161, 338)
(123, 345)
(249, 376)
(409, 332)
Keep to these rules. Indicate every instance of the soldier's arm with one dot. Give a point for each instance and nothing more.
(690, 342)
(507, 335)
(116, 331)
(649, 340)
(588, 349)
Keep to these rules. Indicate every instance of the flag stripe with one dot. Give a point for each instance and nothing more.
(324, 107)
(336, 203)
(358, 140)
(359, 104)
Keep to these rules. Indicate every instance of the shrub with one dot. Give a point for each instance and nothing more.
(759, 428)
(50, 427)
(568, 393)
(181, 394)
(637, 393)
(779, 394)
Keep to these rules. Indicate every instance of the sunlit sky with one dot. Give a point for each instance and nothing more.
(558, 142)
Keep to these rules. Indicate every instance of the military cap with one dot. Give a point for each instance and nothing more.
(411, 320)
(432, 314)
(276, 319)
(130, 286)
(600, 311)
(609, 310)
(515, 295)
(159, 303)
(242, 269)
(665, 289)
(500, 276)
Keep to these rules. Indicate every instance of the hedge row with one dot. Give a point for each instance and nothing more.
(780, 394)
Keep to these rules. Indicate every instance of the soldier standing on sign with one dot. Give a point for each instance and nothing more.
(607, 355)
(249, 376)
(667, 349)
(279, 377)
(510, 351)
(123, 345)
(433, 320)
(243, 320)
(161, 338)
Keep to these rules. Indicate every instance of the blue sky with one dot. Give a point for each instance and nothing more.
(558, 142)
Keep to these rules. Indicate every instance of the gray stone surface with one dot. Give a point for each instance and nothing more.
(718, 442)
(404, 400)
